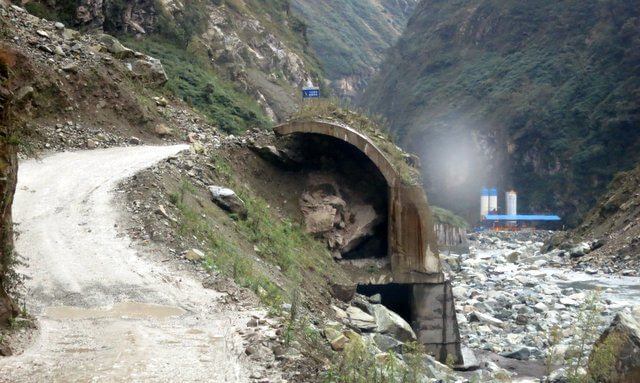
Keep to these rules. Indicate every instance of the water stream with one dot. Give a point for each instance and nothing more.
(621, 291)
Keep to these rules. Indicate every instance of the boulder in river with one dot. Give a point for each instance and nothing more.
(522, 353)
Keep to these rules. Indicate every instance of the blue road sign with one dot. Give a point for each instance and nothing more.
(311, 93)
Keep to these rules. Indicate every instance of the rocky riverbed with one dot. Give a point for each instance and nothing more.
(510, 297)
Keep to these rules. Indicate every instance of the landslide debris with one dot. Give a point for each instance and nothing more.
(85, 91)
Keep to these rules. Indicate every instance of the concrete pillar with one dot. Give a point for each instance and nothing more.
(434, 321)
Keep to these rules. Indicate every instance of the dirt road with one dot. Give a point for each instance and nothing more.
(106, 312)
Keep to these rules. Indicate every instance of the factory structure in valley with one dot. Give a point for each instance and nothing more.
(492, 216)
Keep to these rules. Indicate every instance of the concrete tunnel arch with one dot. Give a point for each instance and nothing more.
(412, 244)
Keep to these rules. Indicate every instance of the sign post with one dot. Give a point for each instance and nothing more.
(310, 92)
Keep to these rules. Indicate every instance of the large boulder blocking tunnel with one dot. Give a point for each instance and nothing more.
(395, 252)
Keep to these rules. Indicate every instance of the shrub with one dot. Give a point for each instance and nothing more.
(586, 327)
(195, 82)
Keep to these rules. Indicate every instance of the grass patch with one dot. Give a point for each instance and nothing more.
(193, 80)
(447, 217)
(281, 241)
(222, 254)
(277, 241)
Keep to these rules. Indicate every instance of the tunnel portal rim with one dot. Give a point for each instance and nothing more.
(346, 134)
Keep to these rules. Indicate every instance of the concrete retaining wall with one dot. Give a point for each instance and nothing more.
(451, 238)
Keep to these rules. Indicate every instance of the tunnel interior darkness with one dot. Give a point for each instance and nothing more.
(359, 179)
(395, 296)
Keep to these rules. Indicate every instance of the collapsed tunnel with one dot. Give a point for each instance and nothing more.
(393, 296)
(337, 171)
(399, 259)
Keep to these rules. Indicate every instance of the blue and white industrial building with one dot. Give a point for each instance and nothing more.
(490, 216)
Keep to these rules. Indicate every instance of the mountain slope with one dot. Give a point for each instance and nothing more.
(539, 96)
(611, 228)
(350, 37)
(257, 45)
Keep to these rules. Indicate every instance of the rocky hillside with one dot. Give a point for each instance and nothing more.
(8, 170)
(609, 236)
(92, 91)
(351, 37)
(539, 96)
(220, 56)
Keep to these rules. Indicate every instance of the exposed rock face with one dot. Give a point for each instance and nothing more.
(344, 226)
(8, 177)
(138, 16)
(622, 340)
(254, 56)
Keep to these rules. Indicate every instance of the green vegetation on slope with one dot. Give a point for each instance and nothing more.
(263, 252)
(198, 84)
(222, 254)
(351, 36)
(447, 217)
(219, 79)
(546, 92)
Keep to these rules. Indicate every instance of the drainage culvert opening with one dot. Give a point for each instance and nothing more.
(394, 296)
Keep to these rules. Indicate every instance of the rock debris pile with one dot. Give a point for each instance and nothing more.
(70, 52)
(343, 225)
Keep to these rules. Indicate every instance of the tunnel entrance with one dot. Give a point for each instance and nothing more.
(346, 196)
(395, 296)
(398, 255)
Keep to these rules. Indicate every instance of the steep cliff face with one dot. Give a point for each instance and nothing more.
(609, 235)
(259, 46)
(350, 37)
(13, 94)
(616, 219)
(540, 96)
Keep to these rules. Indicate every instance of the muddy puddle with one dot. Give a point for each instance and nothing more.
(133, 310)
